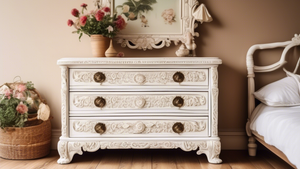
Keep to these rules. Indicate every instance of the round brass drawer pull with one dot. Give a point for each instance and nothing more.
(100, 102)
(178, 77)
(99, 77)
(178, 101)
(100, 128)
(178, 127)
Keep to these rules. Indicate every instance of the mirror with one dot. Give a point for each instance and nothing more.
(154, 24)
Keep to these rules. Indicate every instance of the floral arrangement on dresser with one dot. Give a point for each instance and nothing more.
(18, 102)
(98, 21)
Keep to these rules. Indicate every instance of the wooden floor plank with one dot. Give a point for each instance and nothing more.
(237, 159)
(206, 165)
(163, 159)
(39, 163)
(273, 160)
(259, 162)
(89, 160)
(110, 160)
(187, 160)
(142, 159)
(151, 159)
(126, 159)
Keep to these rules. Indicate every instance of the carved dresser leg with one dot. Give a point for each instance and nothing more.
(212, 151)
(67, 150)
(62, 149)
(252, 146)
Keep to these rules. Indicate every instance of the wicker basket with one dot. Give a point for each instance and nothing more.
(27, 142)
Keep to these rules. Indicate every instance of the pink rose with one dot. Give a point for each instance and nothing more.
(106, 9)
(120, 23)
(99, 15)
(75, 12)
(21, 87)
(169, 16)
(83, 20)
(8, 93)
(84, 5)
(22, 108)
(70, 22)
(19, 95)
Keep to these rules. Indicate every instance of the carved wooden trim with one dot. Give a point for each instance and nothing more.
(125, 61)
(64, 100)
(215, 95)
(190, 12)
(68, 149)
(133, 102)
(139, 127)
(139, 77)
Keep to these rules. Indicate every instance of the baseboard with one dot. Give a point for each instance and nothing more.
(233, 140)
(230, 140)
(56, 133)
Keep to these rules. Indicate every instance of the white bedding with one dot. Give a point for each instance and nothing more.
(280, 127)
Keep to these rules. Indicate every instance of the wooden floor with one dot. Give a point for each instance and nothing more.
(150, 159)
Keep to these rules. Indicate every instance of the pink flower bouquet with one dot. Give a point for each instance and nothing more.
(99, 21)
(17, 100)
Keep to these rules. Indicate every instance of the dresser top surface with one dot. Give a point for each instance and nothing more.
(140, 61)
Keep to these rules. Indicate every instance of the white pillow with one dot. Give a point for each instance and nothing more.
(284, 92)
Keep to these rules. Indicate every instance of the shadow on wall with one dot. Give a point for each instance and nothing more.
(231, 88)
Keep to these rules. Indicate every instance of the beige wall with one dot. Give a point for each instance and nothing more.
(34, 35)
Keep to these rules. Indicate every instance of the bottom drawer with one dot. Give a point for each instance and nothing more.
(177, 127)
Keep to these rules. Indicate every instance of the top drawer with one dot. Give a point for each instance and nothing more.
(141, 77)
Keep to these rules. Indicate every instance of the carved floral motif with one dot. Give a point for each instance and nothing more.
(210, 148)
(133, 102)
(64, 95)
(138, 127)
(139, 78)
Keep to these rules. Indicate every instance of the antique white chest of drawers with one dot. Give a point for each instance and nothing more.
(139, 103)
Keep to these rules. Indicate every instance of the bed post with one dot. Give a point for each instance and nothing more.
(251, 68)
(252, 146)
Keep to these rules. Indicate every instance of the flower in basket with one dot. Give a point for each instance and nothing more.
(17, 101)
(99, 21)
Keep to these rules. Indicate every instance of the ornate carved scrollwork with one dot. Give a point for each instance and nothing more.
(210, 148)
(146, 101)
(112, 77)
(140, 127)
(139, 79)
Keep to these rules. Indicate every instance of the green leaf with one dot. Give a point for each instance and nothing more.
(30, 85)
(80, 36)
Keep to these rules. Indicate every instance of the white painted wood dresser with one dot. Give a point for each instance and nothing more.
(139, 103)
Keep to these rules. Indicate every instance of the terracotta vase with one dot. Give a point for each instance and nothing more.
(111, 52)
(99, 45)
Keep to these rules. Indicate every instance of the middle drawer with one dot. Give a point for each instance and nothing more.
(138, 100)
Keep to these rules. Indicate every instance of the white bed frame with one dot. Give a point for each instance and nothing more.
(252, 69)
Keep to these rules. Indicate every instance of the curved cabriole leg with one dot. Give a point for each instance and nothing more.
(212, 150)
(252, 146)
(62, 148)
(67, 150)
